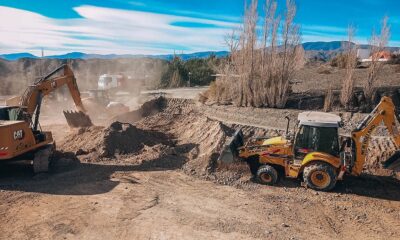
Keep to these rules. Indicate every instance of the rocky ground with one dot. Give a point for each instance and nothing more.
(168, 185)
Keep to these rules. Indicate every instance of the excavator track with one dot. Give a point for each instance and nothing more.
(42, 159)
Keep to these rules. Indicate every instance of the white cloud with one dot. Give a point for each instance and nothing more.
(107, 30)
(324, 29)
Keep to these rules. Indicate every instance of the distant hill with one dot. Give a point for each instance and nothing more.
(323, 46)
(16, 56)
(335, 46)
(313, 48)
(80, 55)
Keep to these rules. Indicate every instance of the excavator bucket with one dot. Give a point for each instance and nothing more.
(230, 153)
(77, 119)
(393, 163)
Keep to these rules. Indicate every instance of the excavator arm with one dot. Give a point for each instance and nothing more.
(384, 112)
(32, 97)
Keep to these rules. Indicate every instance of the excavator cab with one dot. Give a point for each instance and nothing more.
(8, 113)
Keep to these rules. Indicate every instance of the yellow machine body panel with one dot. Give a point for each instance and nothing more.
(279, 151)
(275, 141)
(322, 157)
(17, 138)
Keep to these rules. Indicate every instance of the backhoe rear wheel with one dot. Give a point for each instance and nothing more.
(42, 159)
(267, 175)
(320, 176)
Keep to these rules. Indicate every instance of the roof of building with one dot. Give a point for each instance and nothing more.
(319, 119)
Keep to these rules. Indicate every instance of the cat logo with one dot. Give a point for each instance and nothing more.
(18, 135)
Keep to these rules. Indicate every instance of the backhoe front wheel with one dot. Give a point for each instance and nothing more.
(320, 176)
(267, 175)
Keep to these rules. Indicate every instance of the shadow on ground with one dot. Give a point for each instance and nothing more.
(68, 176)
(381, 187)
(366, 185)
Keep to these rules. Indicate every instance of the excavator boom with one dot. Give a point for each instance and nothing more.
(33, 95)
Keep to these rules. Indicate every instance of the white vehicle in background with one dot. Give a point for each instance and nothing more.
(109, 81)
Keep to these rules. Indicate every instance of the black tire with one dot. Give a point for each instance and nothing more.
(254, 164)
(267, 175)
(320, 176)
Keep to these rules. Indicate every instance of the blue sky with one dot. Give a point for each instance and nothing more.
(165, 26)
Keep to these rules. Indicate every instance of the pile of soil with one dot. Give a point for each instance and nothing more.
(380, 149)
(117, 139)
(173, 133)
(197, 138)
(147, 109)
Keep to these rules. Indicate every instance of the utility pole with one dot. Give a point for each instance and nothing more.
(190, 74)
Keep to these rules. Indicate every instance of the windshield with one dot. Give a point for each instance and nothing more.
(316, 139)
(10, 114)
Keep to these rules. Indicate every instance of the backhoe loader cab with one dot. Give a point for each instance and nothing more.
(318, 132)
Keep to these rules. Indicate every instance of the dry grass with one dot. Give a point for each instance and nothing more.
(328, 103)
(324, 70)
(262, 63)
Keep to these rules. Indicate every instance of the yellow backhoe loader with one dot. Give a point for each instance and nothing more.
(316, 152)
(21, 137)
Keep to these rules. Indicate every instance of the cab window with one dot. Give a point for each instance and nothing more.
(316, 139)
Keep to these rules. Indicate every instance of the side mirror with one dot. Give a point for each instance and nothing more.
(288, 123)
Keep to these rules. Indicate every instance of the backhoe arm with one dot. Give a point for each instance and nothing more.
(384, 112)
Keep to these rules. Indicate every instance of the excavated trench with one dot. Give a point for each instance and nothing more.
(172, 133)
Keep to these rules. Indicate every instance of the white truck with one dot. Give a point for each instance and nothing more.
(110, 81)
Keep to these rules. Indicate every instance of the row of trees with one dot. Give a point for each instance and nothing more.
(377, 42)
(199, 72)
(263, 59)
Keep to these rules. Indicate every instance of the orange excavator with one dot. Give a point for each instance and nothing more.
(21, 137)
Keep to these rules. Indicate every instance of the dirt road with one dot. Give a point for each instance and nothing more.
(108, 201)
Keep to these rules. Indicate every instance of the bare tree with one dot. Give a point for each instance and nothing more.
(328, 99)
(351, 62)
(377, 43)
(262, 63)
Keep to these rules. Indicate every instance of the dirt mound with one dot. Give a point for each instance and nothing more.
(117, 139)
(198, 138)
(147, 109)
(380, 149)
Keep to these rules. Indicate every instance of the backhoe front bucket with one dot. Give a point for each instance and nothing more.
(393, 163)
(230, 153)
(77, 119)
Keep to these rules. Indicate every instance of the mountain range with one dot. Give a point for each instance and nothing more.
(308, 46)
